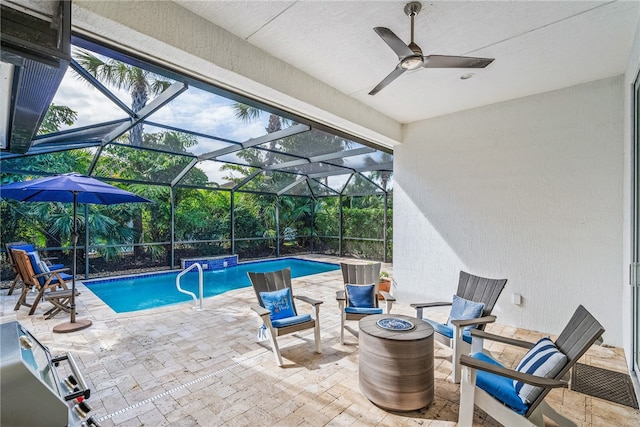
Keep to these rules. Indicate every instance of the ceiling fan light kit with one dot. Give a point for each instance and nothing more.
(411, 57)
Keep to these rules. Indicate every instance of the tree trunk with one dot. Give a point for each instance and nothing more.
(139, 98)
(138, 251)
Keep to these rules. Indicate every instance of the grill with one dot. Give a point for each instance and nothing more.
(37, 389)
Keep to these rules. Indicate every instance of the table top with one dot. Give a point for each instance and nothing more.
(369, 325)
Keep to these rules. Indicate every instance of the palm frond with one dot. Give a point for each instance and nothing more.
(246, 113)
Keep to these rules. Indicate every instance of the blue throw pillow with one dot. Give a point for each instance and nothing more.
(361, 296)
(542, 360)
(278, 303)
(464, 309)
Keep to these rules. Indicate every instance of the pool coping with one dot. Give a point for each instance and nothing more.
(101, 280)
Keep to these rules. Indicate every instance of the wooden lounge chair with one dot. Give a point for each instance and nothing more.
(356, 277)
(455, 334)
(51, 285)
(489, 385)
(277, 309)
(17, 280)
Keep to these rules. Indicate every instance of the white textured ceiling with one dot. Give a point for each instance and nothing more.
(537, 46)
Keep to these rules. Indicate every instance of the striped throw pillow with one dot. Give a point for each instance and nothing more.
(542, 360)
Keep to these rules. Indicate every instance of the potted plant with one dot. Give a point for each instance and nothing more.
(384, 283)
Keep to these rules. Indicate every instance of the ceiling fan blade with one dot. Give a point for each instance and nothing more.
(399, 47)
(445, 61)
(391, 77)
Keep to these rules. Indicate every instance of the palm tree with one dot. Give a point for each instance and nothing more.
(247, 114)
(140, 83)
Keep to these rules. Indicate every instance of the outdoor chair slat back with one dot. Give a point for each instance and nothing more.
(271, 281)
(574, 340)
(480, 289)
(360, 274)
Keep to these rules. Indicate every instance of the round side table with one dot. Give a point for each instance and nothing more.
(396, 366)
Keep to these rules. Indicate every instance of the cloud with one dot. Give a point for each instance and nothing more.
(193, 110)
(200, 111)
(92, 106)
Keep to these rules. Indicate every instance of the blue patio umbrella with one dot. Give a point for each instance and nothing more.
(69, 188)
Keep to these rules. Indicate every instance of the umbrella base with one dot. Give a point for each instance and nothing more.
(64, 328)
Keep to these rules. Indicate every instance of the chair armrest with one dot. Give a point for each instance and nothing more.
(420, 306)
(340, 296)
(260, 310)
(48, 258)
(479, 321)
(469, 361)
(387, 296)
(52, 272)
(499, 338)
(308, 300)
(429, 304)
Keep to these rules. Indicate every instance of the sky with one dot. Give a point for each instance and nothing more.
(194, 110)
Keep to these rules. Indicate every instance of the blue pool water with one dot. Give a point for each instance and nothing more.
(124, 294)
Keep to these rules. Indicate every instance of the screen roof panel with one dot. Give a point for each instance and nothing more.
(187, 132)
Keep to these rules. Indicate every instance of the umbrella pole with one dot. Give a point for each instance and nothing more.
(75, 258)
(73, 325)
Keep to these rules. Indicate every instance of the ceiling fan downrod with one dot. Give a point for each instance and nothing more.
(411, 10)
(416, 61)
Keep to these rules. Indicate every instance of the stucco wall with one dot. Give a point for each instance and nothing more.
(529, 190)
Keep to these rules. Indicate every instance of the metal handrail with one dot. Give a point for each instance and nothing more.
(182, 273)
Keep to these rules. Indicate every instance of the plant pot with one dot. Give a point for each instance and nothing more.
(384, 285)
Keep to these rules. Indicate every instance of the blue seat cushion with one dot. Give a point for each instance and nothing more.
(293, 320)
(464, 309)
(542, 360)
(35, 264)
(362, 296)
(447, 331)
(278, 303)
(362, 310)
(498, 386)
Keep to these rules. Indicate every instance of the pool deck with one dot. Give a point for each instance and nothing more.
(176, 366)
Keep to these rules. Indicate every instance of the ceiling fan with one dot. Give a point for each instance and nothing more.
(411, 57)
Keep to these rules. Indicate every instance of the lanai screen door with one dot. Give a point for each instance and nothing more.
(635, 266)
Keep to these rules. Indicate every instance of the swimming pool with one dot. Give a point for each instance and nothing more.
(133, 293)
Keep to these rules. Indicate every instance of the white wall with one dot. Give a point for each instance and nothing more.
(529, 190)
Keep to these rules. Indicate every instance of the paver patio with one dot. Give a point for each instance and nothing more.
(177, 366)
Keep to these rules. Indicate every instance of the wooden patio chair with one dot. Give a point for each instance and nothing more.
(465, 315)
(359, 298)
(276, 307)
(516, 397)
(51, 285)
(17, 280)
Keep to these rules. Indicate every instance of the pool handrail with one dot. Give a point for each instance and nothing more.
(182, 273)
